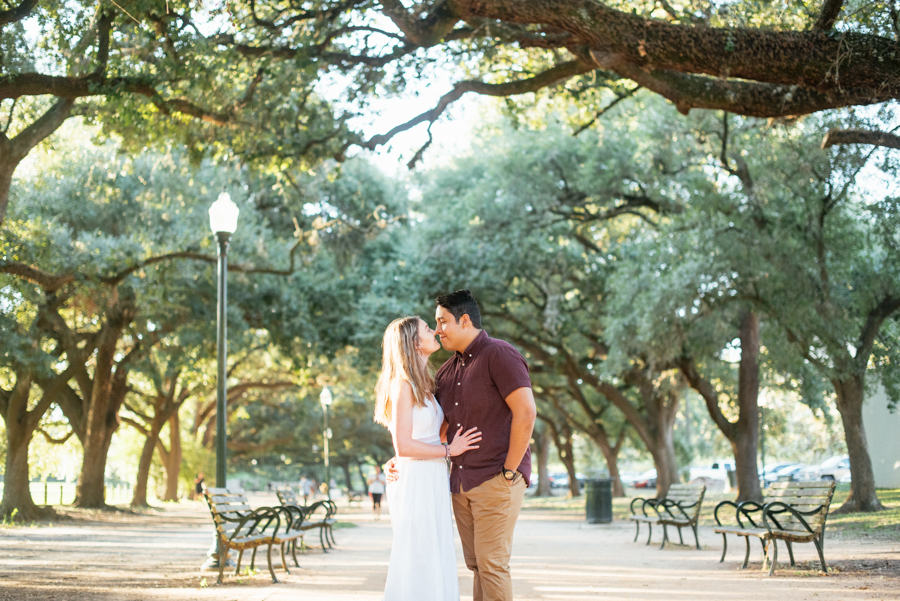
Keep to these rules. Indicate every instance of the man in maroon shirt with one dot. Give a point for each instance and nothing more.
(485, 385)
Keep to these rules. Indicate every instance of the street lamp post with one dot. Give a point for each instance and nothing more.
(223, 215)
(325, 398)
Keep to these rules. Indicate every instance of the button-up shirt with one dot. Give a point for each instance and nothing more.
(472, 387)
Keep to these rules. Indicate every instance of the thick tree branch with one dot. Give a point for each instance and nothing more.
(746, 98)
(52, 440)
(785, 58)
(860, 136)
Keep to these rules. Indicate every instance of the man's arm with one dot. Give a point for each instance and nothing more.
(521, 403)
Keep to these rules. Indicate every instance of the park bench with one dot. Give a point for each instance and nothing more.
(680, 508)
(794, 512)
(240, 527)
(354, 496)
(319, 515)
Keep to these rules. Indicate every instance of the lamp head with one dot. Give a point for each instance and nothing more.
(223, 215)
(325, 397)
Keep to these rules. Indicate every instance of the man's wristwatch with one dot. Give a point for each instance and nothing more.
(510, 475)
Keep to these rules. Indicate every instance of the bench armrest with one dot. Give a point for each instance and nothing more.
(771, 510)
(249, 523)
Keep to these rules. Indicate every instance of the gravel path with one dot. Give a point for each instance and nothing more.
(104, 557)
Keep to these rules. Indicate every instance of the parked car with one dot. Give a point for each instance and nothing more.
(834, 468)
(782, 470)
(646, 480)
(717, 471)
(562, 480)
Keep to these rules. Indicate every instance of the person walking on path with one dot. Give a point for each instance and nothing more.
(423, 555)
(376, 489)
(485, 385)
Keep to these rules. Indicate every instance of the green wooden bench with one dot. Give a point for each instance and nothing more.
(680, 508)
(319, 515)
(240, 527)
(793, 512)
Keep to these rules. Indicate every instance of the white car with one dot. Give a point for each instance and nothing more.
(716, 472)
(834, 468)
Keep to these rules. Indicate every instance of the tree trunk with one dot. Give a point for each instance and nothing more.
(345, 467)
(16, 492)
(743, 433)
(611, 456)
(564, 448)
(6, 175)
(173, 463)
(850, 394)
(139, 497)
(745, 436)
(542, 453)
(108, 390)
(20, 427)
(362, 476)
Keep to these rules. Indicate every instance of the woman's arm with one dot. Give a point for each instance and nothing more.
(406, 446)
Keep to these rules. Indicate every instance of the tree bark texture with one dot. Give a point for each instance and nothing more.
(107, 390)
(742, 434)
(850, 394)
(541, 452)
(173, 463)
(139, 496)
(21, 424)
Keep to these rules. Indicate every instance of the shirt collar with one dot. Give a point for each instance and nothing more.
(475, 346)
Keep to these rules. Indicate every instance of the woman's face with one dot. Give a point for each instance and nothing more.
(427, 341)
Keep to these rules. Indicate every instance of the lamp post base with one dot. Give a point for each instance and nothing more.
(212, 559)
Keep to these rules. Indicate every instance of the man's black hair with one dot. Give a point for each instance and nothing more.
(460, 303)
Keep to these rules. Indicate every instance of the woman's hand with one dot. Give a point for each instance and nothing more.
(464, 442)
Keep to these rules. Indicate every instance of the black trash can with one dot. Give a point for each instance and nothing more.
(598, 501)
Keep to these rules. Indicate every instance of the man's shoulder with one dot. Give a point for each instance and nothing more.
(497, 345)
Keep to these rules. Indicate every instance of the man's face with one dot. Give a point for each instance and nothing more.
(448, 329)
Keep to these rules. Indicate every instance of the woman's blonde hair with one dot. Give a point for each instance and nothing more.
(400, 362)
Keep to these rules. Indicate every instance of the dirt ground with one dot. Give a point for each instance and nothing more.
(157, 555)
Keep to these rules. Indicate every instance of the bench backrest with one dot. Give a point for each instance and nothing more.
(803, 497)
(688, 496)
(224, 505)
(287, 496)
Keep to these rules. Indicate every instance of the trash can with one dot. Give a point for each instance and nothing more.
(598, 501)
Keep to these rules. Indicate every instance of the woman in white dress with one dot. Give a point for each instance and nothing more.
(423, 554)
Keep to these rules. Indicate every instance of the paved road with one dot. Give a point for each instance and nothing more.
(556, 556)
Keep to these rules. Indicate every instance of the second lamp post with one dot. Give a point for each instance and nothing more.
(325, 398)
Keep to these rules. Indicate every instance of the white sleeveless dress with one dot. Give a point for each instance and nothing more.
(423, 554)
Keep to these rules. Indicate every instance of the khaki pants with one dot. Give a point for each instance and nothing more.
(486, 517)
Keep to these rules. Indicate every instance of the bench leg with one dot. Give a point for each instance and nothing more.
(665, 537)
(222, 561)
(237, 569)
(696, 538)
(271, 570)
(821, 554)
(680, 540)
(252, 559)
(774, 557)
(322, 539)
(790, 552)
(746, 553)
(294, 551)
(724, 545)
(649, 532)
(283, 560)
(637, 530)
(331, 533)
